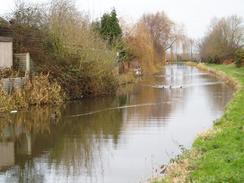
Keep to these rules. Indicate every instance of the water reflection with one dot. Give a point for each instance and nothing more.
(111, 139)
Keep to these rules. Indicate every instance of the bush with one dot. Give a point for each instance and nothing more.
(38, 91)
(239, 57)
(6, 102)
(6, 73)
(213, 60)
(87, 79)
(61, 42)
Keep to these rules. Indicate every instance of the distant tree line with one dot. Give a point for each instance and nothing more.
(224, 41)
(147, 41)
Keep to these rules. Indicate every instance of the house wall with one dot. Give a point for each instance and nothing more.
(6, 54)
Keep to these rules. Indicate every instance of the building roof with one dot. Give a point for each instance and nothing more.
(6, 39)
(3, 22)
(5, 30)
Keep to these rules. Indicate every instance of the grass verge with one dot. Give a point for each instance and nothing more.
(218, 154)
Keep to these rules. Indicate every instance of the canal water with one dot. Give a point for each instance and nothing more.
(123, 139)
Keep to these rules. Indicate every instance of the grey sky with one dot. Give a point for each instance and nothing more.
(194, 14)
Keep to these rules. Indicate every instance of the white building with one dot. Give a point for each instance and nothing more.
(6, 52)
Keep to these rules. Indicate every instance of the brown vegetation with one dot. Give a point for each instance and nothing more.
(61, 42)
(152, 38)
(142, 47)
(161, 30)
(224, 38)
(37, 91)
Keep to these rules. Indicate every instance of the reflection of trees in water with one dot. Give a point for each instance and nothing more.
(218, 96)
(37, 120)
(174, 75)
(21, 129)
(29, 173)
(159, 102)
(83, 141)
(74, 144)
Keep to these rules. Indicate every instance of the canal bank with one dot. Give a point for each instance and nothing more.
(218, 154)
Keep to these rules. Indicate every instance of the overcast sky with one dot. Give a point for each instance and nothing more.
(194, 14)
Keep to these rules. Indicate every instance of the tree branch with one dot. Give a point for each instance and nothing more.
(170, 44)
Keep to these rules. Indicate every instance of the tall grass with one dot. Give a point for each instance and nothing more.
(38, 91)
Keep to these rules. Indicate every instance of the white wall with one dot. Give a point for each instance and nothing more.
(6, 54)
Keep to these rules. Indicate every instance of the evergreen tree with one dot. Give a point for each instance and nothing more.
(110, 28)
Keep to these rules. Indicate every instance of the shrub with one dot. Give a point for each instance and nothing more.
(61, 42)
(239, 57)
(38, 91)
(213, 60)
(6, 102)
(6, 73)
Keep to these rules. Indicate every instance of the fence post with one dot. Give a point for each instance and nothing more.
(27, 69)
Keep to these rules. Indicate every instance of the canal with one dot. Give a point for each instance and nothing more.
(122, 139)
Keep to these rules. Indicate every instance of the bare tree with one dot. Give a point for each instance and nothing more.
(33, 15)
(161, 29)
(224, 37)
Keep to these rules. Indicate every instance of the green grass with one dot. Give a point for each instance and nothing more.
(222, 157)
(221, 152)
(230, 70)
